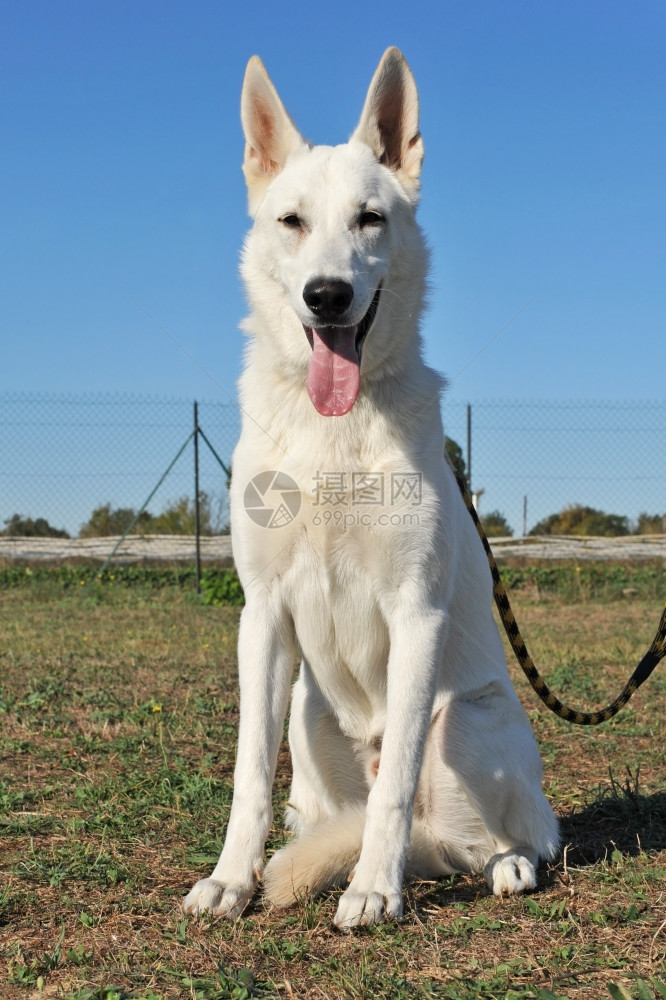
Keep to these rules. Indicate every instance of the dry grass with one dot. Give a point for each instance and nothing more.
(118, 717)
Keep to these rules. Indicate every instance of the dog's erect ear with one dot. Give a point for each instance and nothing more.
(389, 123)
(270, 134)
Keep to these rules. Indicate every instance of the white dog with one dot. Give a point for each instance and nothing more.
(410, 749)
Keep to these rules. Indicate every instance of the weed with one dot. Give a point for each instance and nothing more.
(639, 990)
(75, 861)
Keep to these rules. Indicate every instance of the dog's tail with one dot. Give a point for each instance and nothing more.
(325, 857)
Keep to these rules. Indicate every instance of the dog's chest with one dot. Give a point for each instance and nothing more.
(334, 595)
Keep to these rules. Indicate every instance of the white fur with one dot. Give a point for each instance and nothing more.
(391, 614)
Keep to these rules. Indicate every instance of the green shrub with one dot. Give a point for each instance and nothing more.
(221, 587)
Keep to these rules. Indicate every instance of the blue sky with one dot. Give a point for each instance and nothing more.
(544, 183)
(544, 203)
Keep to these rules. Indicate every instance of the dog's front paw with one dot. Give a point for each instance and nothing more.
(216, 898)
(359, 909)
(510, 873)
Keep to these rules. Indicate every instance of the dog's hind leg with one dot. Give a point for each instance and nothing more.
(326, 809)
(487, 744)
(327, 774)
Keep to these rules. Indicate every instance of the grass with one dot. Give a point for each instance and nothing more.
(118, 719)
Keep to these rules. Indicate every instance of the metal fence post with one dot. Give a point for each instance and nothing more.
(469, 447)
(197, 520)
(524, 515)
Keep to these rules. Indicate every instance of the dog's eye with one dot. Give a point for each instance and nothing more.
(370, 218)
(291, 221)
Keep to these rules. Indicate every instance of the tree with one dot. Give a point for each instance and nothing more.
(106, 520)
(179, 517)
(495, 525)
(455, 456)
(651, 524)
(577, 519)
(26, 527)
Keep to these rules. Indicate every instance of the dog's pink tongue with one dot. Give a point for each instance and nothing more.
(334, 374)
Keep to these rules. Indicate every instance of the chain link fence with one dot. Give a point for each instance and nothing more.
(63, 456)
(531, 458)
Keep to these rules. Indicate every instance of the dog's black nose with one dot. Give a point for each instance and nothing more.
(328, 298)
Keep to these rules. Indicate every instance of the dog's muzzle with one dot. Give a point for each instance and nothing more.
(334, 374)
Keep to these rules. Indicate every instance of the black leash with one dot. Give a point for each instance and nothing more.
(655, 653)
